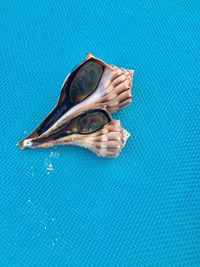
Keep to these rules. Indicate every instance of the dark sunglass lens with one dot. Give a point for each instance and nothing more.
(92, 122)
(85, 81)
(86, 123)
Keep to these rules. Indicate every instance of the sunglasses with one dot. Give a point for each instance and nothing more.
(82, 82)
(89, 93)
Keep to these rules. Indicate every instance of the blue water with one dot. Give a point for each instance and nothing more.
(141, 209)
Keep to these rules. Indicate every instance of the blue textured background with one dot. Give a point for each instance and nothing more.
(141, 209)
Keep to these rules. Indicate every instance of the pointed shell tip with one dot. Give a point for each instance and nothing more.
(27, 143)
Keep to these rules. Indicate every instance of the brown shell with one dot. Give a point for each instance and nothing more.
(107, 142)
(113, 93)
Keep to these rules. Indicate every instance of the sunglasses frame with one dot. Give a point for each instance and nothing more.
(34, 133)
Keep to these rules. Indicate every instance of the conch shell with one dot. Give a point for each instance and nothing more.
(94, 129)
(93, 85)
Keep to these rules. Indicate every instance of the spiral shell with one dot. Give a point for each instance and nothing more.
(112, 92)
(107, 142)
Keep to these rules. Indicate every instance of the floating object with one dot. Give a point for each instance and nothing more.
(82, 115)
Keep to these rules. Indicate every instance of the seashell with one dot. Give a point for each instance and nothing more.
(92, 84)
(94, 129)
